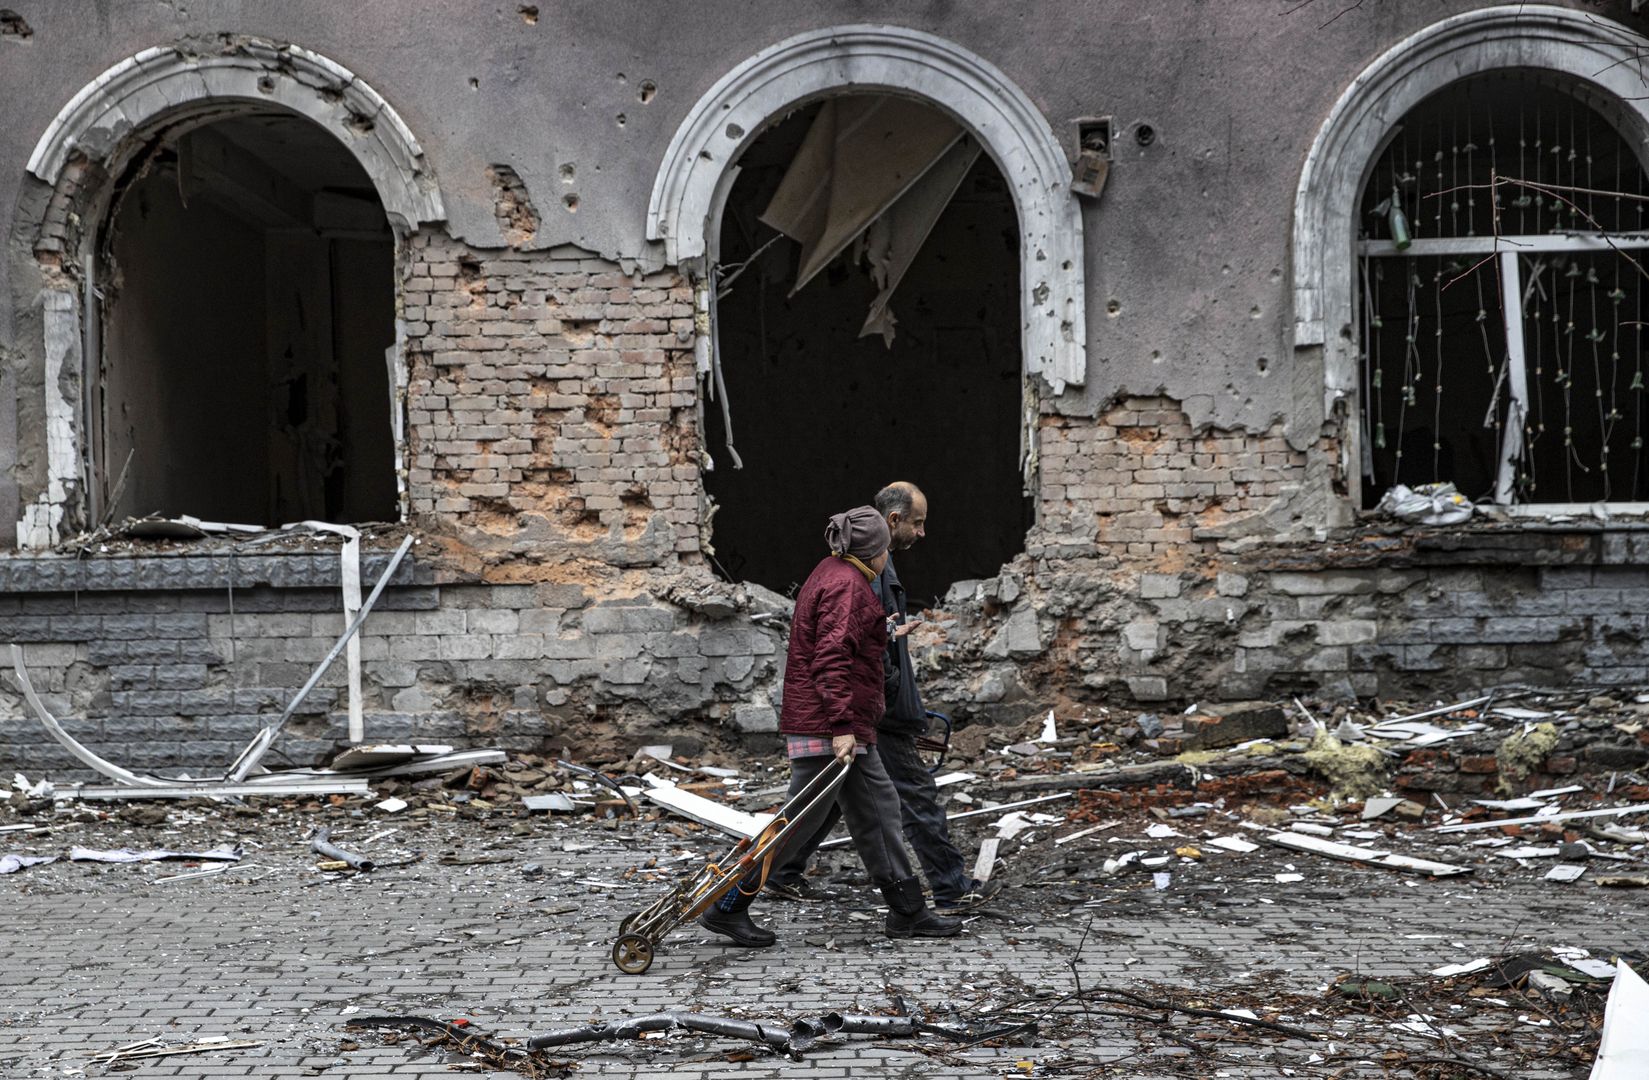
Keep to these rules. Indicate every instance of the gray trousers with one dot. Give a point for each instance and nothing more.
(870, 805)
(924, 822)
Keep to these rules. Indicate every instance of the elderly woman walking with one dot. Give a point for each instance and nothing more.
(833, 697)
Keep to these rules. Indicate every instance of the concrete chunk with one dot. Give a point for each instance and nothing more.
(1230, 723)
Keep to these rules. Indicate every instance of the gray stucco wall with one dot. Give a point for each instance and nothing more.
(1234, 91)
(1168, 561)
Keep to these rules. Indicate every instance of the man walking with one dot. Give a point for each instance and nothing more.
(905, 509)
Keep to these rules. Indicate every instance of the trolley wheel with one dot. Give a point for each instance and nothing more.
(633, 954)
(629, 921)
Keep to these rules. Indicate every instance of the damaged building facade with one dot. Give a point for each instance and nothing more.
(1158, 303)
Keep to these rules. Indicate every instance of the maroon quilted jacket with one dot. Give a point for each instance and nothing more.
(833, 674)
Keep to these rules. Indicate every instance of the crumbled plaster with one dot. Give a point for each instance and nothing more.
(518, 218)
(42, 518)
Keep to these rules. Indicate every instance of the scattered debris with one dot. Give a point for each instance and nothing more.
(462, 1037)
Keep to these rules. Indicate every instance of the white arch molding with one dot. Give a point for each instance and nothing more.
(107, 121)
(142, 89)
(688, 194)
(1595, 52)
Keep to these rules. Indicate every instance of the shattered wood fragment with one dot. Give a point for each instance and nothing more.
(1566, 815)
(986, 862)
(147, 1050)
(1370, 856)
(269, 784)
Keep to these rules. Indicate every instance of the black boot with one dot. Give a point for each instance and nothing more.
(908, 914)
(738, 926)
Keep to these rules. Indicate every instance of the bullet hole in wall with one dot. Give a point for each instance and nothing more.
(13, 26)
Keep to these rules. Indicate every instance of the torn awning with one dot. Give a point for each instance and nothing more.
(859, 159)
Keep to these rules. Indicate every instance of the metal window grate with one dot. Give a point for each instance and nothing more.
(1502, 299)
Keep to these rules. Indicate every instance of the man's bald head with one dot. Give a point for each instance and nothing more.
(906, 510)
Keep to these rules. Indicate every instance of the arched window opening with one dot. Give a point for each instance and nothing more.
(1501, 292)
(246, 277)
(868, 316)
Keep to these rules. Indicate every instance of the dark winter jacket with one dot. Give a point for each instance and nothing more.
(903, 711)
(833, 671)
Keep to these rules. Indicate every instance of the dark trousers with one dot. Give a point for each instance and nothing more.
(869, 802)
(920, 814)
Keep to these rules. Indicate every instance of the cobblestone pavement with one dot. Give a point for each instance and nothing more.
(98, 955)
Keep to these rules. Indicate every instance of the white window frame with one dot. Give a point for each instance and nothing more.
(1591, 50)
(1506, 249)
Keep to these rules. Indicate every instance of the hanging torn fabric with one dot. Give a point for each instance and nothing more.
(892, 240)
(859, 157)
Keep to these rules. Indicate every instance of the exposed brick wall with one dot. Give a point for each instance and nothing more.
(551, 402)
(1139, 481)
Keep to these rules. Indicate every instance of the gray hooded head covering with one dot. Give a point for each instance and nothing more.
(861, 532)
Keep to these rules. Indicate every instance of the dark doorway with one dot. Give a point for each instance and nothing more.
(248, 309)
(822, 416)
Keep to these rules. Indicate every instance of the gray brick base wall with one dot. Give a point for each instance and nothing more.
(167, 676)
(1398, 614)
(185, 675)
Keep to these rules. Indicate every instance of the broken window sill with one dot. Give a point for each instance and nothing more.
(199, 566)
(1379, 541)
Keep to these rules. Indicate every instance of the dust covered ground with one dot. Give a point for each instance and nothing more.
(1103, 956)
